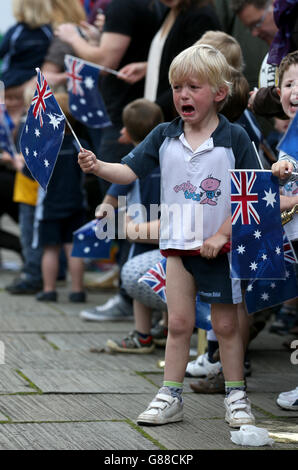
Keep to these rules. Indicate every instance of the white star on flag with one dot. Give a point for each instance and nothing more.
(257, 234)
(253, 266)
(265, 296)
(269, 198)
(46, 163)
(241, 249)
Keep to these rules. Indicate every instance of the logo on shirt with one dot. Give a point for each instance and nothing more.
(209, 191)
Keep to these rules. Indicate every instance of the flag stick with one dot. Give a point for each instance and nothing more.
(73, 132)
(100, 67)
(258, 156)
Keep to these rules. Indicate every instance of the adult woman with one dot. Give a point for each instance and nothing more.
(185, 21)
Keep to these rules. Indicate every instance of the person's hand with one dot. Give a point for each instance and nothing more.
(91, 32)
(100, 21)
(87, 161)
(212, 246)
(282, 169)
(67, 32)
(133, 73)
(252, 95)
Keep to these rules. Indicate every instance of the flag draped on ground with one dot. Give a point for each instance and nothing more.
(257, 237)
(6, 126)
(155, 278)
(87, 245)
(43, 133)
(85, 101)
(261, 294)
(289, 142)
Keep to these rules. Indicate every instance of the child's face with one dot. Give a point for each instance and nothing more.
(195, 100)
(289, 91)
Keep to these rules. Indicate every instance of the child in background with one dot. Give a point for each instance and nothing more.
(198, 144)
(283, 169)
(60, 211)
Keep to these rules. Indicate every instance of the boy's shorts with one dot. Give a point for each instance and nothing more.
(212, 278)
(60, 231)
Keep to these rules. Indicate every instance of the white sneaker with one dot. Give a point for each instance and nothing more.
(162, 410)
(288, 400)
(238, 409)
(201, 367)
(115, 309)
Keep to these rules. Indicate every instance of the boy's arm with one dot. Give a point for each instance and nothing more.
(112, 172)
(212, 246)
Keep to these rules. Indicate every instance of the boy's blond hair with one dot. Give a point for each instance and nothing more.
(227, 45)
(205, 63)
(140, 117)
(287, 61)
(34, 13)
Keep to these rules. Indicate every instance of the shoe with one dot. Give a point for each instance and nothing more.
(162, 410)
(238, 409)
(77, 297)
(288, 400)
(115, 309)
(131, 344)
(213, 383)
(202, 367)
(47, 296)
(283, 323)
(159, 333)
(24, 287)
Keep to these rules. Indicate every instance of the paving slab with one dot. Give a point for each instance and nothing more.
(87, 381)
(267, 402)
(73, 436)
(17, 344)
(12, 382)
(37, 408)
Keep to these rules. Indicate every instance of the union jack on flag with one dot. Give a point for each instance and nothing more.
(43, 92)
(244, 198)
(85, 101)
(156, 279)
(257, 234)
(43, 133)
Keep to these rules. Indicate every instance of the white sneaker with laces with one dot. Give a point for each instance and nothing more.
(201, 367)
(163, 409)
(238, 409)
(288, 400)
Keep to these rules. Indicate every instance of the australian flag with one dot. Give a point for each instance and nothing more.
(261, 294)
(257, 236)
(289, 142)
(87, 245)
(6, 126)
(43, 133)
(85, 101)
(155, 278)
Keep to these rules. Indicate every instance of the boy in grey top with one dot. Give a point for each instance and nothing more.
(195, 152)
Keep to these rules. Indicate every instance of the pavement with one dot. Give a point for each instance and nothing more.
(55, 394)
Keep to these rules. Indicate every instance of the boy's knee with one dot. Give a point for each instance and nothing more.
(225, 328)
(179, 325)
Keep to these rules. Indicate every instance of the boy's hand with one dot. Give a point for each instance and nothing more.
(212, 246)
(282, 169)
(87, 161)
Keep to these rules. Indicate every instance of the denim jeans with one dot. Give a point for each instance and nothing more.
(32, 256)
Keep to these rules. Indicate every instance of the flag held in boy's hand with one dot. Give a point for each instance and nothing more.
(6, 126)
(257, 238)
(43, 133)
(87, 245)
(85, 101)
(289, 142)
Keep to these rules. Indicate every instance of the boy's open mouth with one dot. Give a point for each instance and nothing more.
(187, 109)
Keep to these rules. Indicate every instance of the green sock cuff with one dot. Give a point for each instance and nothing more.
(239, 383)
(168, 383)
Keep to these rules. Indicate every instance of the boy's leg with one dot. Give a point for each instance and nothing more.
(50, 265)
(227, 325)
(167, 406)
(76, 269)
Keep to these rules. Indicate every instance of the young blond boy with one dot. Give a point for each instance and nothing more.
(197, 146)
(284, 169)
